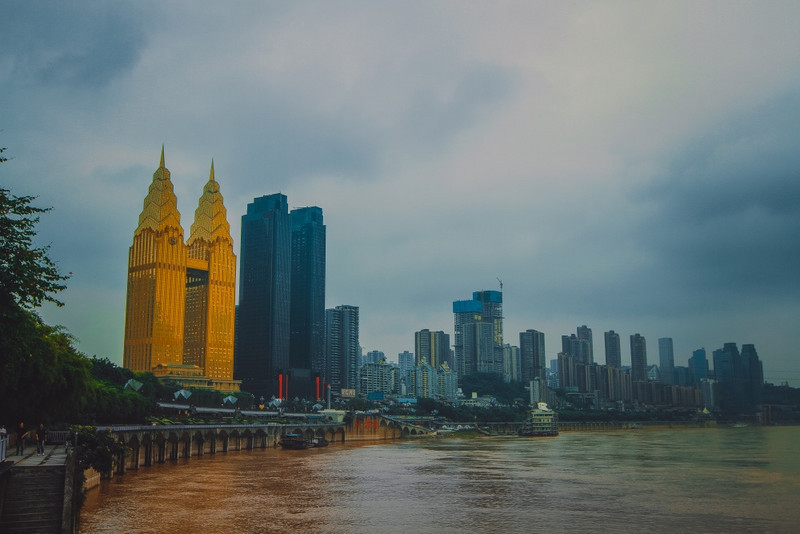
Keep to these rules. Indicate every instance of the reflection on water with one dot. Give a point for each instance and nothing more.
(698, 480)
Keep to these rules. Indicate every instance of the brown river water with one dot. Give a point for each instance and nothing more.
(648, 480)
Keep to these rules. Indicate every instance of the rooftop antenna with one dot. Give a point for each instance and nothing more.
(501, 285)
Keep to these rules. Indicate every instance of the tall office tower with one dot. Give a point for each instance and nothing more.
(262, 357)
(492, 311)
(512, 368)
(585, 335)
(156, 300)
(753, 372)
(727, 368)
(727, 361)
(307, 309)
(666, 360)
(478, 328)
(180, 306)
(465, 312)
(342, 349)
(432, 347)
(698, 366)
(488, 355)
(405, 361)
(613, 351)
(532, 356)
(210, 287)
(638, 359)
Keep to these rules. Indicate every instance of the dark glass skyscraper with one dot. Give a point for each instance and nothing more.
(307, 313)
(261, 360)
(666, 360)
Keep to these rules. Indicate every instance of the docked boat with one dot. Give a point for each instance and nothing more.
(543, 421)
(294, 441)
(319, 442)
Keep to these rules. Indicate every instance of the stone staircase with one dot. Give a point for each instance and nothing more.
(34, 497)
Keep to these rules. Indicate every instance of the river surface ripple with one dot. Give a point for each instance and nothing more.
(649, 480)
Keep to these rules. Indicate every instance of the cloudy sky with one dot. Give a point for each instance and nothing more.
(625, 165)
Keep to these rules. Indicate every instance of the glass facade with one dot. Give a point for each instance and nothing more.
(262, 351)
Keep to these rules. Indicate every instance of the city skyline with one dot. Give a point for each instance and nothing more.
(626, 167)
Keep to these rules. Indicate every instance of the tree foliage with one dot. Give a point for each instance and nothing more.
(28, 277)
(43, 378)
(493, 385)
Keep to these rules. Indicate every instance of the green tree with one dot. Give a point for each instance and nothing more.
(96, 450)
(28, 277)
(42, 377)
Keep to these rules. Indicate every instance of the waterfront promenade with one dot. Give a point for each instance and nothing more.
(36, 491)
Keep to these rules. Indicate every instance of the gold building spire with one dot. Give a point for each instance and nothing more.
(210, 218)
(160, 205)
(154, 312)
(210, 293)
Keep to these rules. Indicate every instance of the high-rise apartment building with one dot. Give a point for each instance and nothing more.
(432, 347)
(532, 355)
(405, 361)
(342, 349)
(638, 359)
(613, 351)
(262, 357)
(666, 360)
(180, 307)
(374, 356)
(465, 312)
(307, 309)
(478, 329)
(512, 368)
(578, 348)
(585, 335)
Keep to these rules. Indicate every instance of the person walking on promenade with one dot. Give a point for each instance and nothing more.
(3, 443)
(41, 436)
(21, 435)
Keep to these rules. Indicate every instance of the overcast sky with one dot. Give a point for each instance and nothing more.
(632, 166)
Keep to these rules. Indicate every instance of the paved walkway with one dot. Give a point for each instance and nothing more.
(53, 455)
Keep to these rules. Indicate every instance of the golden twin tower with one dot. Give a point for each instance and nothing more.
(180, 310)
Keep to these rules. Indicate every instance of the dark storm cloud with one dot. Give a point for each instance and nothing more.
(63, 43)
(725, 216)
